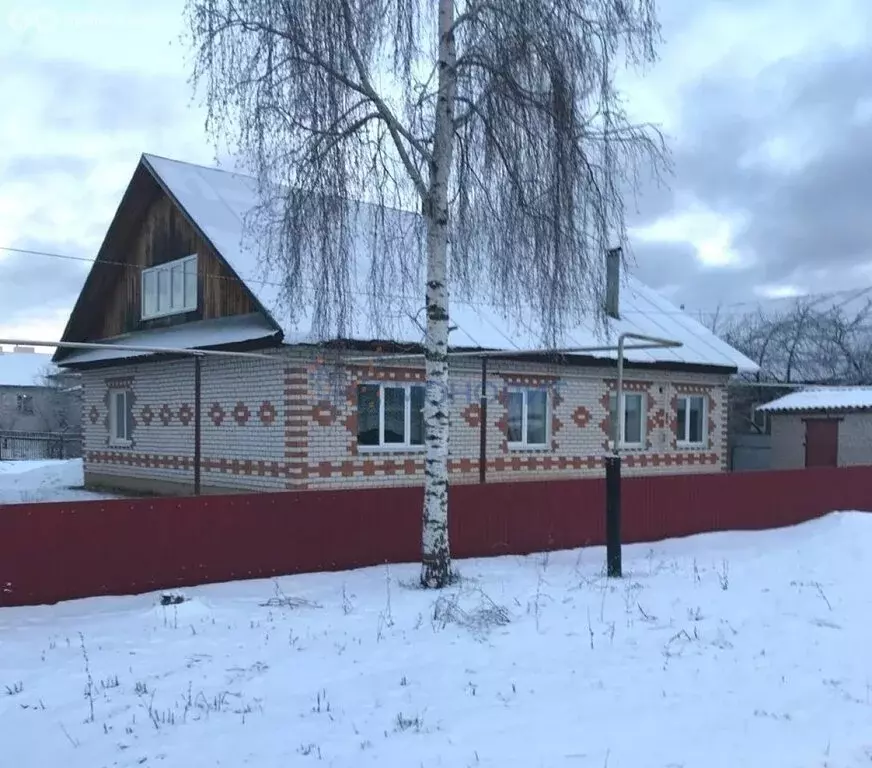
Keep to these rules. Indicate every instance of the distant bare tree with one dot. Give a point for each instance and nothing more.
(806, 343)
(498, 119)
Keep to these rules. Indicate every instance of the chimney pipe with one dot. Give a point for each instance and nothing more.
(613, 282)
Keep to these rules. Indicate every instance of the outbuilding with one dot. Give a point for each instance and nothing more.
(821, 427)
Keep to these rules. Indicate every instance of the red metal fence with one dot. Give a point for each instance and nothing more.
(59, 551)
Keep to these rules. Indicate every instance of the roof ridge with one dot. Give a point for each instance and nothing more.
(198, 165)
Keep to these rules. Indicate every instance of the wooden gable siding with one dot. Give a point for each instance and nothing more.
(165, 234)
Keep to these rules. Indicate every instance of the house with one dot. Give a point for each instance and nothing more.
(821, 427)
(36, 400)
(180, 269)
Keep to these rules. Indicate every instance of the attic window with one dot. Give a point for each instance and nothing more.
(170, 289)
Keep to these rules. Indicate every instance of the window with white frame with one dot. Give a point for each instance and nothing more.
(690, 421)
(120, 412)
(24, 404)
(634, 419)
(170, 289)
(390, 415)
(760, 419)
(527, 418)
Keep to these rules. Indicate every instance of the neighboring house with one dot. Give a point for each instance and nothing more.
(325, 413)
(821, 427)
(34, 395)
(40, 407)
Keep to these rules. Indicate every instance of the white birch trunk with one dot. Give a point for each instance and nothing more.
(436, 553)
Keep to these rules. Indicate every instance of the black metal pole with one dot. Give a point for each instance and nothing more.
(482, 450)
(197, 403)
(613, 516)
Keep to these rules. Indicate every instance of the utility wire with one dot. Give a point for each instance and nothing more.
(852, 294)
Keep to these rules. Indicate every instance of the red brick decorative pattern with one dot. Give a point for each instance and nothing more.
(266, 413)
(297, 414)
(528, 380)
(119, 382)
(241, 414)
(217, 414)
(165, 414)
(629, 386)
(581, 417)
(323, 413)
(147, 415)
(391, 466)
(372, 373)
(472, 415)
(186, 414)
(94, 414)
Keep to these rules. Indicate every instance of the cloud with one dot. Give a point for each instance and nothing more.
(773, 172)
(767, 106)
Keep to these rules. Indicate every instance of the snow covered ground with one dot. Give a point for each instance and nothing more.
(748, 649)
(30, 481)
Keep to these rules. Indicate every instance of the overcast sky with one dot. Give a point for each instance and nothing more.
(767, 105)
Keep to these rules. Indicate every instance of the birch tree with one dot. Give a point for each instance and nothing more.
(498, 121)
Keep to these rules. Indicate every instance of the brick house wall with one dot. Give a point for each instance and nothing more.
(292, 423)
(243, 429)
(578, 429)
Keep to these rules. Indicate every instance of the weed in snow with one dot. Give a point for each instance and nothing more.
(310, 749)
(281, 600)
(89, 687)
(404, 723)
(322, 703)
(14, 689)
(724, 575)
(479, 619)
(347, 605)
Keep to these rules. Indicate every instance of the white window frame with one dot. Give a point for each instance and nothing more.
(382, 446)
(756, 413)
(622, 420)
(524, 444)
(114, 438)
(167, 269)
(685, 442)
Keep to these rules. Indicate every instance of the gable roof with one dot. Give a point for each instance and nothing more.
(822, 399)
(219, 203)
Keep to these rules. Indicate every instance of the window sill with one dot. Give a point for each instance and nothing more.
(391, 448)
(691, 446)
(525, 447)
(173, 312)
(120, 443)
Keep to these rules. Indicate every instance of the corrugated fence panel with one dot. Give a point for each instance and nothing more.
(59, 551)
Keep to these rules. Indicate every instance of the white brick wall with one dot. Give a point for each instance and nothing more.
(164, 451)
(283, 439)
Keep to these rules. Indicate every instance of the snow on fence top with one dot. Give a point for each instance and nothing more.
(23, 368)
(220, 203)
(822, 399)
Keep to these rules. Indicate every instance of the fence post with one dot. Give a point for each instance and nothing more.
(613, 516)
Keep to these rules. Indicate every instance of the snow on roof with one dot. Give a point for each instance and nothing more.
(202, 333)
(24, 369)
(220, 202)
(822, 399)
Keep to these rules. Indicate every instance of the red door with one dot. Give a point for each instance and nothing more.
(822, 443)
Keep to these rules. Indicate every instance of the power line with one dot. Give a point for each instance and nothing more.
(816, 298)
